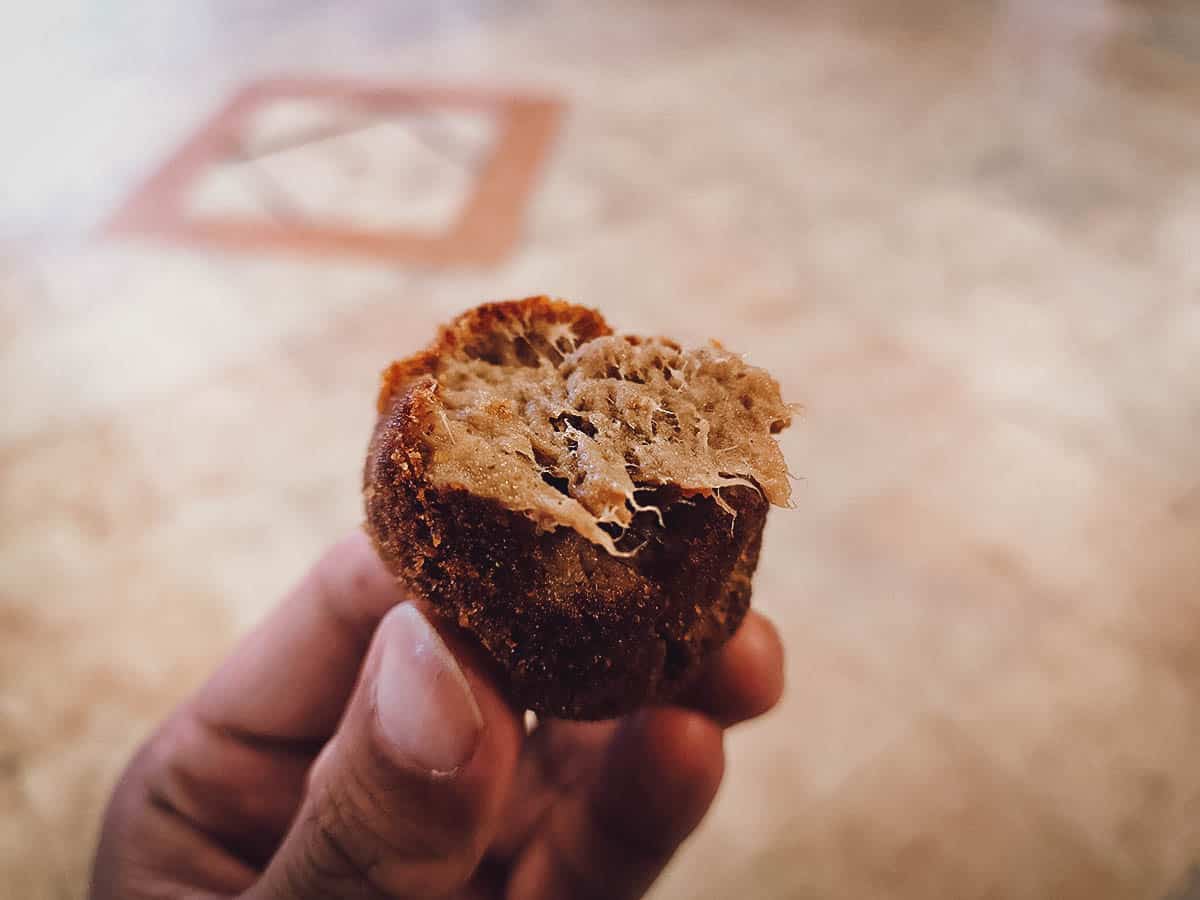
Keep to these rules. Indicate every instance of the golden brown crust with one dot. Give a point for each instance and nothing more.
(472, 328)
(578, 632)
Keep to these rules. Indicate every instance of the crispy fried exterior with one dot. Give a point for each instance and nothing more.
(578, 632)
(475, 331)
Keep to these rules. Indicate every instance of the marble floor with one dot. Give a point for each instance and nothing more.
(963, 233)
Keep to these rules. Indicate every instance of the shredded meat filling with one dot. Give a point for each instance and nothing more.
(571, 433)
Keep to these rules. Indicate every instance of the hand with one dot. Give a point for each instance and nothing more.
(350, 748)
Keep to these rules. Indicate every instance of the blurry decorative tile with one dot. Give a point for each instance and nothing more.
(423, 174)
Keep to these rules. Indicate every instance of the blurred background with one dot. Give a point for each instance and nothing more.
(965, 234)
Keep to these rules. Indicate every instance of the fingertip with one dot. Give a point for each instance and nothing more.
(745, 679)
(424, 704)
(352, 584)
(760, 652)
(504, 721)
(683, 747)
(353, 552)
(677, 759)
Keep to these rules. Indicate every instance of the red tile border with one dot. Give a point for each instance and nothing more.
(487, 228)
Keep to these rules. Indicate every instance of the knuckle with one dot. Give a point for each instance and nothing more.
(368, 833)
(207, 777)
(337, 850)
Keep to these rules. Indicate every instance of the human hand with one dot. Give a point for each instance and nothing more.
(349, 748)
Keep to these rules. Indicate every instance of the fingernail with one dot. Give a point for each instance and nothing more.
(424, 702)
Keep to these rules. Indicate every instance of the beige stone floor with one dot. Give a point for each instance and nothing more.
(963, 233)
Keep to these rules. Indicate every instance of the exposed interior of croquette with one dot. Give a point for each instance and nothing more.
(574, 429)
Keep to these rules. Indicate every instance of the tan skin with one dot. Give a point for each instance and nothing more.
(224, 799)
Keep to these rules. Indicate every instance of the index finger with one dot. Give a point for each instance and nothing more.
(744, 679)
(290, 678)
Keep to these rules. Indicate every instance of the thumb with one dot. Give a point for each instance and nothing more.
(403, 799)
